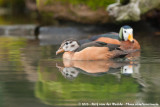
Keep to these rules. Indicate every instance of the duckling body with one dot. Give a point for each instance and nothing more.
(91, 51)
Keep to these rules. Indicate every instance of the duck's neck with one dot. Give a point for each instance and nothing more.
(68, 55)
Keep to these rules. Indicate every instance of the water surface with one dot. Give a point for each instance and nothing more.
(31, 75)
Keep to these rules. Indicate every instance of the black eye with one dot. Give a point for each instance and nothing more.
(124, 31)
(67, 43)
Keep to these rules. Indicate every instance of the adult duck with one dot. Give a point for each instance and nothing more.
(124, 38)
(90, 51)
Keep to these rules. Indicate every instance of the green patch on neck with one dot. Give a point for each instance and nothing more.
(121, 34)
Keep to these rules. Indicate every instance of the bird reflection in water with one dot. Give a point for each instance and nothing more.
(71, 69)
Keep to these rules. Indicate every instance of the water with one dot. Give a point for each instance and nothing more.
(31, 75)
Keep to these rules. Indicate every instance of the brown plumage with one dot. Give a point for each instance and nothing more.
(93, 53)
(109, 40)
(125, 39)
(124, 45)
(90, 51)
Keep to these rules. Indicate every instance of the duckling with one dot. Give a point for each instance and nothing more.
(90, 51)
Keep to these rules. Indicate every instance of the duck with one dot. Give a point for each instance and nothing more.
(95, 50)
(124, 38)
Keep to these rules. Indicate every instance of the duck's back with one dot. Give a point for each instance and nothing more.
(109, 40)
(111, 35)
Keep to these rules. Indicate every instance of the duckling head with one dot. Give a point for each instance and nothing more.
(68, 45)
(126, 33)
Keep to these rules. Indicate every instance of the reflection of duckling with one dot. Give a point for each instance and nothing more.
(99, 66)
(68, 72)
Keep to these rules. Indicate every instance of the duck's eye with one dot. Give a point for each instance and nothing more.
(66, 43)
(124, 31)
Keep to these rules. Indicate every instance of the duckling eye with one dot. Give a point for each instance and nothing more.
(124, 31)
(66, 43)
(72, 45)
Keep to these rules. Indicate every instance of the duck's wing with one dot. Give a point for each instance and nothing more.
(98, 44)
(111, 35)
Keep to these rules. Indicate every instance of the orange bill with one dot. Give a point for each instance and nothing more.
(59, 51)
(130, 38)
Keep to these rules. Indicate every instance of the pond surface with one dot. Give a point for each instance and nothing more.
(32, 76)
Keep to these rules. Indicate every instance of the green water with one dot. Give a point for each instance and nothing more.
(31, 75)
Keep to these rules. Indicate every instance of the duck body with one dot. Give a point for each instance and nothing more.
(124, 45)
(124, 39)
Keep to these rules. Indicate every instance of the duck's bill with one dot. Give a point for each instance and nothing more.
(59, 51)
(130, 38)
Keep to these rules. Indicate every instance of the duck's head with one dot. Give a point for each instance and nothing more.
(68, 45)
(126, 33)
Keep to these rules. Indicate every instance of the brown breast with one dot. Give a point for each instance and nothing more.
(125, 45)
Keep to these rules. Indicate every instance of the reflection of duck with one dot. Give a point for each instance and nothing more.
(124, 39)
(59, 92)
(132, 69)
(71, 69)
(90, 51)
(128, 69)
